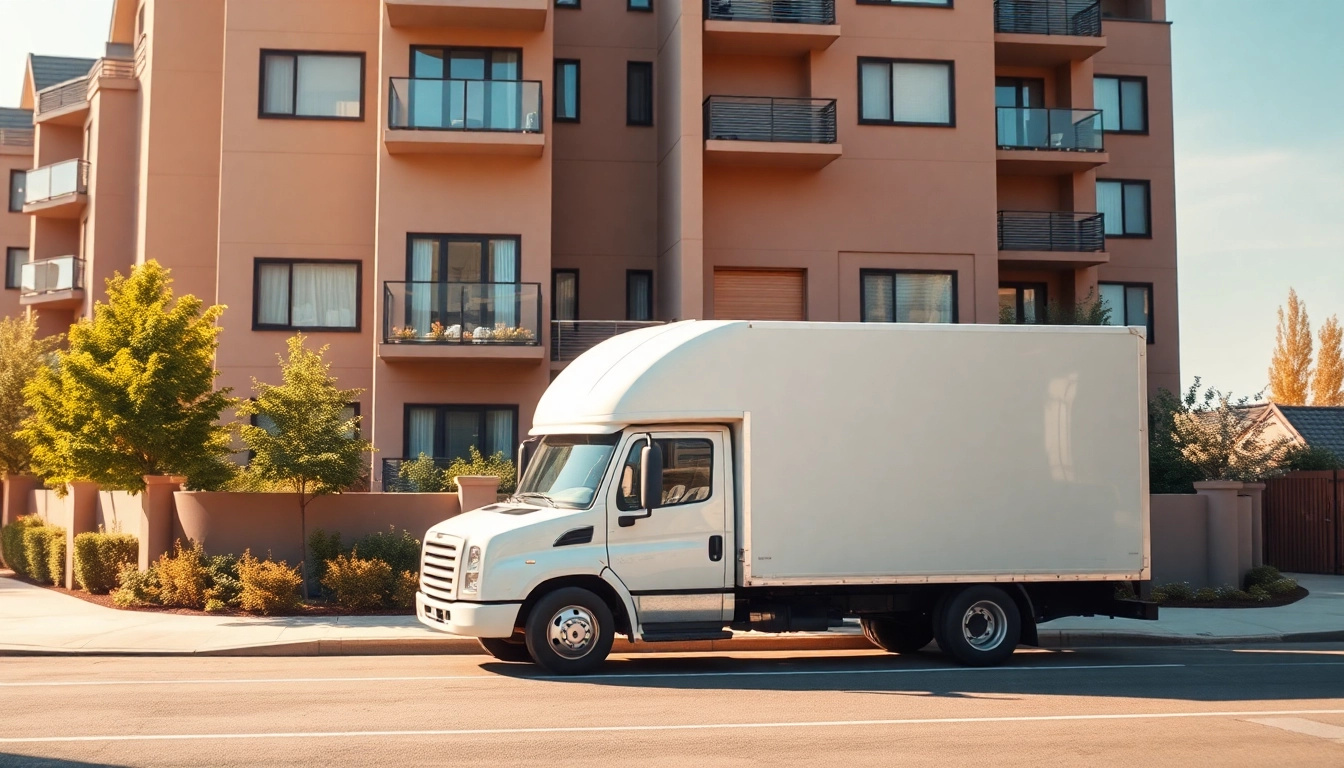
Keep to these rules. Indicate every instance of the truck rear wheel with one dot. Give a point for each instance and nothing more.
(978, 626)
(570, 631)
(897, 636)
(505, 649)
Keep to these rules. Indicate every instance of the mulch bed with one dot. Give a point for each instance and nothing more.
(1274, 601)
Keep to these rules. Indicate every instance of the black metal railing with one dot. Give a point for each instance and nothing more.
(1048, 17)
(464, 105)
(462, 313)
(409, 480)
(776, 11)
(1066, 130)
(753, 118)
(1051, 231)
(571, 338)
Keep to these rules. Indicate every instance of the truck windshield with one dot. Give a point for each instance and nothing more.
(568, 468)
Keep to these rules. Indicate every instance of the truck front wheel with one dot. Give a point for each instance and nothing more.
(897, 636)
(570, 631)
(505, 649)
(978, 626)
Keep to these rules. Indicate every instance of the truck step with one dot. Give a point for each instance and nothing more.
(681, 637)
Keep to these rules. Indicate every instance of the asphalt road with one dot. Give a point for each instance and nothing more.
(1187, 707)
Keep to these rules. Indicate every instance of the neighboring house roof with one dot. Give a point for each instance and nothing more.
(1319, 426)
(50, 70)
(15, 118)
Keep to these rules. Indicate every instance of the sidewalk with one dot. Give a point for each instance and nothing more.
(37, 621)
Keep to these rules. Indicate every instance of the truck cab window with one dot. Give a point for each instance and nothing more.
(687, 473)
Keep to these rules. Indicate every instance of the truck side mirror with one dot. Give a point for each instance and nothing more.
(525, 452)
(651, 473)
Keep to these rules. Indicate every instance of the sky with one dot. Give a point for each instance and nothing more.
(1259, 161)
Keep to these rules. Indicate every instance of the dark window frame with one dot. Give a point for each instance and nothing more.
(257, 325)
(467, 237)
(9, 254)
(23, 187)
(1018, 287)
(262, 114)
(1152, 304)
(1143, 81)
(446, 49)
(573, 4)
(1148, 205)
(567, 271)
(359, 426)
(956, 303)
(946, 4)
(441, 433)
(951, 93)
(630, 6)
(628, 306)
(578, 91)
(631, 67)
(636, 443)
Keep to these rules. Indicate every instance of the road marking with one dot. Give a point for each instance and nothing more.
(654, 728)
(1307, 727)
(579, 678)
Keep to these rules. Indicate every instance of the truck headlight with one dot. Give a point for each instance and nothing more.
(471, 583)
(471, 573)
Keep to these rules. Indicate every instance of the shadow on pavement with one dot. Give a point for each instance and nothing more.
(10, 760)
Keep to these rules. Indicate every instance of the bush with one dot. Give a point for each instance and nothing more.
(1262, 575)
(399, 549)
(44, 547)
(323, 546)
(404, 587)
(1259, 594)
(1281, 587)
(11, 543)
(1230, 593)
(137, 587)
(1167, 593)
(1308, 458)
(215, 606)
(1206, 595)
(424, 475)
(358, 583)
(221, 571)
(99, 558)
(182, 578)
(268, 586)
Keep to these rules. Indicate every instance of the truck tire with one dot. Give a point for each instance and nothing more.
(570, 631)
(896, 636)
(505, 649)
(978, 625)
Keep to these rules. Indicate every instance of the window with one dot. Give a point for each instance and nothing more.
(1131, 304)
(638, 93)
(688, 473)
(470, 89)
(15, 258)
(350, 411)
(1022, 303)
(1124, 205)
(901, 92)
(926, 3)
(566, 91)
(1123, 102)
(893, 296)
(327, 86)
(306, 295)
(565, 294)
(451, 431)
(638, 294)
(566, 3)
(17, 190)
(639, 5)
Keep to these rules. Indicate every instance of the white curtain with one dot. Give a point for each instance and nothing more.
(1110, 204)
(420, 432)
(566, 296)
(422, 291)
(921, 93)
(279, 85)
(504, 269)
(876, 83)
(878, 294)
(328, 86)
(273, 298)
(924, 299)
(325, 295)
(498, 432)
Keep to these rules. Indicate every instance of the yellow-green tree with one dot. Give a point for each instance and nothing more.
(22, 355)
(1327, 384)
(134, 394)
(1290, 367)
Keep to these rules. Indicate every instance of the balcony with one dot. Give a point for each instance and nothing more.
(1052, 238)
(571, 338)
(54, 283)
(770, 27)
(1046, 32)
(464, 117)
(1049, 141)
(490, 14)
(463, 321)
(68, 103)
(58, 191)
(770, 132)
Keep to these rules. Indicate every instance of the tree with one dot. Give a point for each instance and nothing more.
(308, 445)
(134, 394)
(1090, 311)
(1290, 367)
(22, 355)
(1327, 385)
(1220, 438)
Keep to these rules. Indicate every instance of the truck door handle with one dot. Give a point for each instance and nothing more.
(715, 548)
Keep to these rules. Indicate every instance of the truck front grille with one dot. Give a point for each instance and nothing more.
(438, 566)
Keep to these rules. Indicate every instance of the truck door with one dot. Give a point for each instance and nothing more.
(674, 561)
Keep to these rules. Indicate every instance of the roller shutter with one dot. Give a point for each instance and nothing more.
(760, 294)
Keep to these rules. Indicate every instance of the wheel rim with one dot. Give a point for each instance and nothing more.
(572, 632)
(984, 626)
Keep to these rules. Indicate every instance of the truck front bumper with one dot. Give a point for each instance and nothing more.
(467, 619)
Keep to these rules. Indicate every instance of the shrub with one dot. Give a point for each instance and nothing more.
(215, 606)
(221, 571)
(1259, 593)
(182, 579)
(1306, 458)
(12, 545)
(1282, 586)
(1205, 595)
(1229, 592)
(137, 587)
(423, 475)
(358, 583)
(268, 586)
(323, 546)
(1168, 593)
(44, 547)
(99, 557)
(55, 554)
(399, 549)
(1262, 575)
(404, 587)
(498, 465)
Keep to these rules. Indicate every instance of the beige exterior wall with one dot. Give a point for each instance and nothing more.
(14, 227)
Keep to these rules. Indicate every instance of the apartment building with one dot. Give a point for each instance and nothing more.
(459, 196)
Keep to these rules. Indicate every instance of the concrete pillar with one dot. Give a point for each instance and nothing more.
(1243, 536)
(156, 517)
(1224, 531)
(476, 491)
(83, 504)
(1256, 492)
(17, 490)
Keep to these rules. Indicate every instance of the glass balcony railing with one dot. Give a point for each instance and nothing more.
(465, 105)
(1048, 17)
(1051, 231)
(52, 181)
(751, 118)
(63, 273)
(462, 313)
(1066, 130)
(773, 11)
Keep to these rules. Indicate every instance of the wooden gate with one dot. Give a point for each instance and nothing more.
(1302, 522)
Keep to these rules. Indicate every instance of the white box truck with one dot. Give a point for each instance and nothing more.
(962, 483)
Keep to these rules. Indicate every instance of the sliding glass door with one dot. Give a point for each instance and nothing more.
(466, 88)
(463, 280)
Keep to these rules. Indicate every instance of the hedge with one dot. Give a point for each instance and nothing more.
(99, 558)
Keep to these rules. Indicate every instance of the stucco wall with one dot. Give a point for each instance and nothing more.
(1180, 539)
